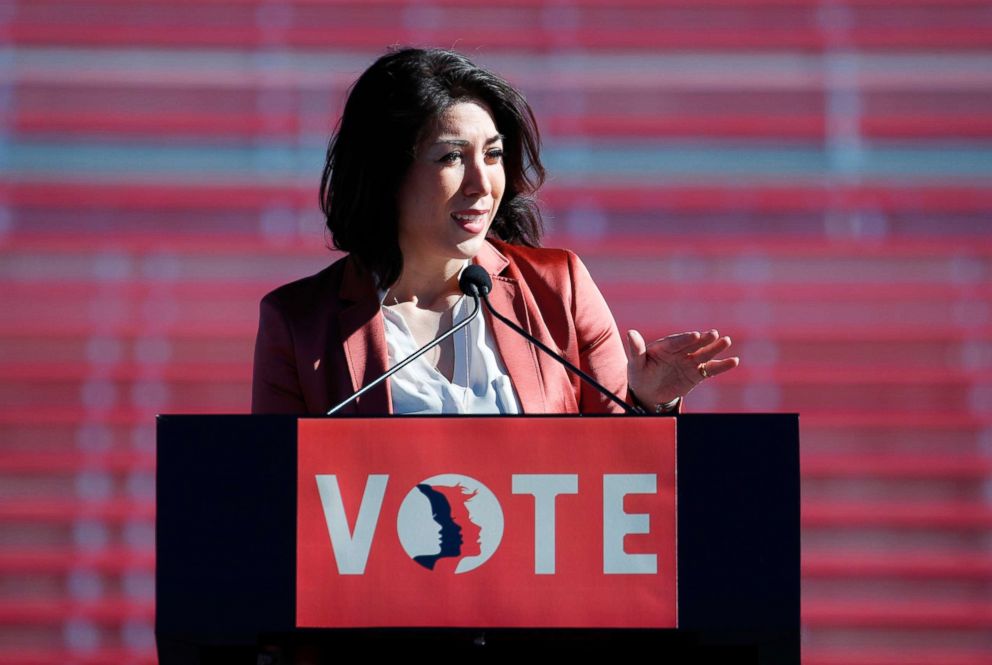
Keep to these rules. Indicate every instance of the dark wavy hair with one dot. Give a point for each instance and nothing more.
(389, 109)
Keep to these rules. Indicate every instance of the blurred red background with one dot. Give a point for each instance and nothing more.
(811, 177)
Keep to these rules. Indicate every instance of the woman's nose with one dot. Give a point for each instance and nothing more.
(477, 182)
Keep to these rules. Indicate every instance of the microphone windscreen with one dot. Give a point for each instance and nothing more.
(475, 281)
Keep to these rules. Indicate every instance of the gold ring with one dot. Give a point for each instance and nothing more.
(702, 370)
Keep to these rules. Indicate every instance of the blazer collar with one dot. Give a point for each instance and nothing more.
(491, 259)
(363, 336)
(518, 354)
(357, 284)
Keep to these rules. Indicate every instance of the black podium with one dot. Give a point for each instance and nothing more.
(226, 559)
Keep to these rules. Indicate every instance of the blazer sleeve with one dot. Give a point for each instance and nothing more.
(600, 347)
(275, 384)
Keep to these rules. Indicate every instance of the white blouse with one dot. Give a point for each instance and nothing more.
(480, 383)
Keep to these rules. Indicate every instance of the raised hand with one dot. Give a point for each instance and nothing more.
(670, 367)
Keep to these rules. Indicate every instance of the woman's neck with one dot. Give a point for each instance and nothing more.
(429, 286)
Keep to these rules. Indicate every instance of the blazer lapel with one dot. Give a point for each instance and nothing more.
(364, 338)
(519, 355)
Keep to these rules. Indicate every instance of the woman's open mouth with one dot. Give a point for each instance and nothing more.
(472, 221)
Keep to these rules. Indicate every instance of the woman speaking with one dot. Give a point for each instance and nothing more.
(434, 166)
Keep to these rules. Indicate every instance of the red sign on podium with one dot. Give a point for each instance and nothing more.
(496, 522)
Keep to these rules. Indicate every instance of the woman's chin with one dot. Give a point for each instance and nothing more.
(469, 248)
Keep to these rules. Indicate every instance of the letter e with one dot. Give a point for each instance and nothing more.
(617, 524)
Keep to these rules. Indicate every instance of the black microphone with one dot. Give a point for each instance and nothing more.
(482, 282)
(475, 281)
(470, 286)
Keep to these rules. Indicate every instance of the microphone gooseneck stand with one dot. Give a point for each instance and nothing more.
(476, 283)
(477, 278)
(468, 287)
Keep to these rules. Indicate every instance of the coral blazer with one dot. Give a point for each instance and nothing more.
(322, 338)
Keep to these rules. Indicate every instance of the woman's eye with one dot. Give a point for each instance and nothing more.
(492, 156)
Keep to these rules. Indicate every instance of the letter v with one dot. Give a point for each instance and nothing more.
(351, 551)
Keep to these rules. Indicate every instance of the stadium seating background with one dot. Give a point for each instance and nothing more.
(809, 176)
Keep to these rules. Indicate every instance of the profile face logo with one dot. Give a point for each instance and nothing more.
(450, 522)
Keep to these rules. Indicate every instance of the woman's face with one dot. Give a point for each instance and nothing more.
(452, 191)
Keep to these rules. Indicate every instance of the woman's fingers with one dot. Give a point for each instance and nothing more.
(689, 343)
(697, 348)
(634, 346)
(715, 367)
(712, 350)
(679, 342)
(675, 364)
